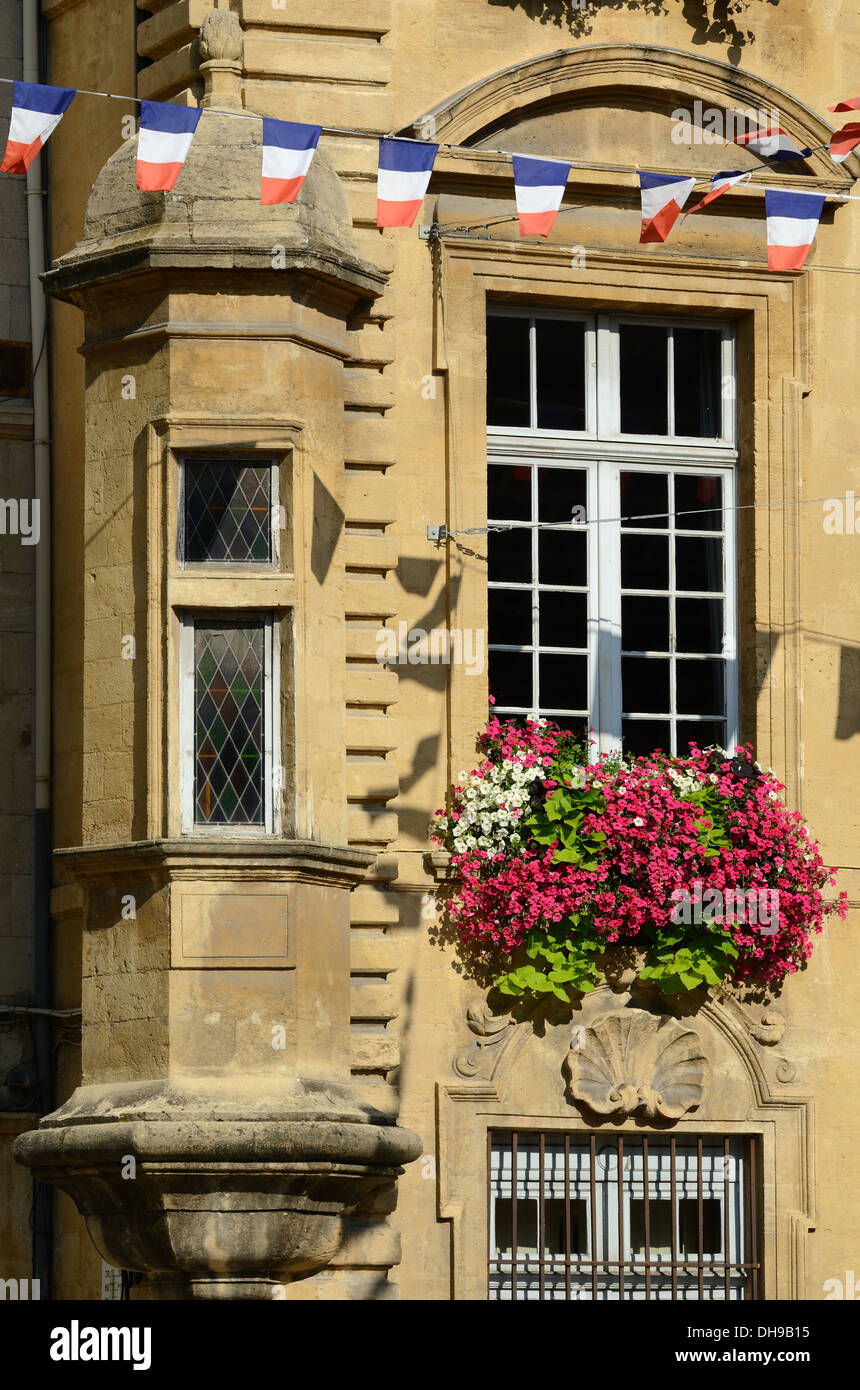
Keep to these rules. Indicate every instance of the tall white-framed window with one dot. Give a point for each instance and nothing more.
(614, 1217)
(230, 756)
(612, 508)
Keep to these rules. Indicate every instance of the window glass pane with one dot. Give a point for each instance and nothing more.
(645, 624)
(645, 501)
(228, 743)
(509, 492)
(701, 497)
(562, 557)
(571, 723)
(560, 374)
(644, 359)
(643, 736)
(659, 1229)
(699, 624)
(508, 372)
(699, 564)
(698, 404)
(563, 619)
(563, 682)
(510, 555)
(228, 511)
(510, 612)
(559, 491)
(703, 732)
(644, 562)
(645, 685)
(688, 1226)
(700, 687)
(511, 679)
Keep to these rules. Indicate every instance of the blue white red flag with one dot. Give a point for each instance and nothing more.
(166, 132)
(288, 148)
(663, 196)
(852, 104)
(721, 183)
(540, 185)
(771, 142)
(36, 111)
(404, 172)
(844, 141)
(792, 221)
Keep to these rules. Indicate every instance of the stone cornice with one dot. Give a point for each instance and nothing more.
(223, 859)
(347, 280)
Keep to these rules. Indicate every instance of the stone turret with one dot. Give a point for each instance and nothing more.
(217, 1142)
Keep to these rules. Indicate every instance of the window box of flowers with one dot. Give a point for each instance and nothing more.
(567, 872)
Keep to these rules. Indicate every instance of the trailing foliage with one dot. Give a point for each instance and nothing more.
(696, 862)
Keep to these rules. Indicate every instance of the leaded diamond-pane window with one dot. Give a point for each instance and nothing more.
(229, 723)
(227, 511)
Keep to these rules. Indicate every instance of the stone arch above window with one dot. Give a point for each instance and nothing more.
(612, 102)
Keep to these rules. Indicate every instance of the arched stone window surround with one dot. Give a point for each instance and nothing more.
(655, 74)
(498, 1081)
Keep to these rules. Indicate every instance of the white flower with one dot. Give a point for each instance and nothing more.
(637, 820)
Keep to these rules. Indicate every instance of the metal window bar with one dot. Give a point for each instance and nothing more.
(585, 1217)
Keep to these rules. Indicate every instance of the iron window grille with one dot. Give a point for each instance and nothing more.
(607, 1218)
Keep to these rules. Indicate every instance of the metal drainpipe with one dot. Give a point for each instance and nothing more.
(42, 1026)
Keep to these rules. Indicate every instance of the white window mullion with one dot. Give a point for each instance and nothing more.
(609, 605)
(730, 605)
(670, 380)
(673, 622)
(535, 544)
(608, 377)
(533, 411)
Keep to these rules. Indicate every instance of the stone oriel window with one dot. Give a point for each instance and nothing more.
(611, 488)
(226, 511)
(229, 758)
(595, 1217)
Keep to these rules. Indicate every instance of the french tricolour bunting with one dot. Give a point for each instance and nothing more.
(540, 185)
(720, 183)
(405, 167)
(792, 220)
(771, 142)
(663, 196)
(844, 141)
(852, 104)
(36, 111)
(166, 132)
(288, 148)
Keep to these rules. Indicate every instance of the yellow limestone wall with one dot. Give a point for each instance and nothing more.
(413, 455)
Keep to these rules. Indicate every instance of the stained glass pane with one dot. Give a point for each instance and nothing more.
(228, 735)
(227, 511)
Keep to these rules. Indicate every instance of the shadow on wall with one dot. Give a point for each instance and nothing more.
(848, 720)
(712, 21)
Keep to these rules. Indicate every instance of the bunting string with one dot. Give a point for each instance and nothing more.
(405, 166)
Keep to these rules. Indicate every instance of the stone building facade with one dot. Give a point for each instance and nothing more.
(287, 1087)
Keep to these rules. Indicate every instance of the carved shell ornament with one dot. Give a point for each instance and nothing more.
(631, 1062)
